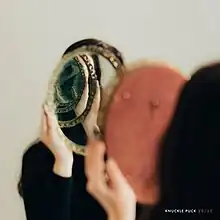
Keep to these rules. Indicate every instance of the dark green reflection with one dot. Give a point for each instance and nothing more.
(69, 89)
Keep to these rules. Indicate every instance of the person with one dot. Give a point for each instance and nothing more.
(188, 167)
(53, 182)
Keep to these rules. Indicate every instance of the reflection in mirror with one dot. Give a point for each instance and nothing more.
(75, 77)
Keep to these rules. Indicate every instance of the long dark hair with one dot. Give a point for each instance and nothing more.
(190, 151)
(77, 133)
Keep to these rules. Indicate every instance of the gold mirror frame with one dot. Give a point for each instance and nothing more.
(100, 49)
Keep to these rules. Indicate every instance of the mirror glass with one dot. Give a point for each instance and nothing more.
(81, 65)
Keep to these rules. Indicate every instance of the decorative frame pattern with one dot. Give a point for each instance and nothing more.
(100, 49)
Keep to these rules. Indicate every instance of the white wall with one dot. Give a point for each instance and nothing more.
(34, 33)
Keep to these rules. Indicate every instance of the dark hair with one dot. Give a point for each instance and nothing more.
(190, 151)
(93, 41)
(77, 133)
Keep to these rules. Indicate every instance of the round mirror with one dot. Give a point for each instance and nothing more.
(83, 64)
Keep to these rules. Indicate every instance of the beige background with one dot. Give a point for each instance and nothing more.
(34, 33)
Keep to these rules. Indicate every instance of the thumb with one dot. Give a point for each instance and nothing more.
(50, 118)
(115, 175)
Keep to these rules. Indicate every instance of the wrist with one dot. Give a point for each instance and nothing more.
(64, 158)
(63, 167)
(122, 215)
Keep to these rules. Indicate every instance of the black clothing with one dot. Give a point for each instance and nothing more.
(49, 196)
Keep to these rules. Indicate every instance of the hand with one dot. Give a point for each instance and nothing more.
(115, 195)
(50, 137)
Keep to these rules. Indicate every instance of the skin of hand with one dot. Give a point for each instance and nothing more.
(50, 137)
(113, 193)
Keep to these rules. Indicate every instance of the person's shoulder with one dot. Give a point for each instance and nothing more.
(37, 153)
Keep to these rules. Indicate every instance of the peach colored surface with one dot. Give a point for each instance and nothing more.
(137, 117)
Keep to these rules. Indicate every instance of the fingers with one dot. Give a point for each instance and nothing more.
(95, 171)
(47, 118)
(115, 175)
(94, 160)
(118, 181)
(95, 168)
(43, 123)
(50, 120)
